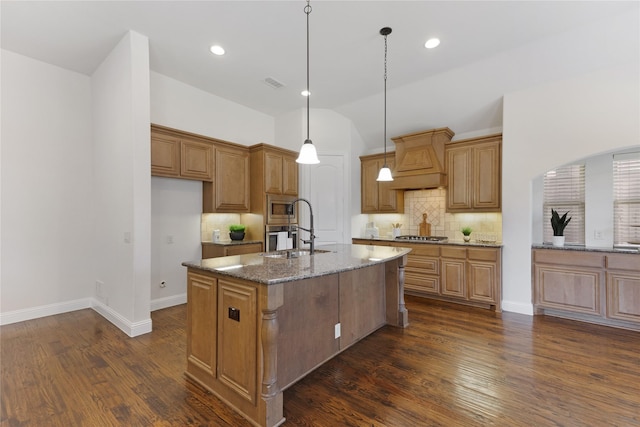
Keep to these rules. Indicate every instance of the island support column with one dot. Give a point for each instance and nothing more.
(397, 314)
(271, 401)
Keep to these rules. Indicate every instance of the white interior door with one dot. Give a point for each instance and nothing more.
(326, 188)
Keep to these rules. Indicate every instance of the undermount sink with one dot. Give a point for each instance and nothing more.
(296, 253)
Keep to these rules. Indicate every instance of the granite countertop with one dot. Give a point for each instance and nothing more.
(427, 242)
(586, 249)
(269, 271)
(230, 242)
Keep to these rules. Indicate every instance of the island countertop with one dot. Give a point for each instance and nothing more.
(261, 269)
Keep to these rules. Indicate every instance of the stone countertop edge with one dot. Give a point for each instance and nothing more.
(270, 271)
(426, 242)
(230, 242)
(582, 248)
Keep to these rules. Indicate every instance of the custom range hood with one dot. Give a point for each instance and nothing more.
(419, 162)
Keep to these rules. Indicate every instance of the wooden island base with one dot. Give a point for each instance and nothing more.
(248, 341)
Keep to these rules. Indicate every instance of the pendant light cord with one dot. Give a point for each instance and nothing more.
(307, 10)
(385, 100)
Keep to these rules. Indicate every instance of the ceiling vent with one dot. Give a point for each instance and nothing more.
(270, 81)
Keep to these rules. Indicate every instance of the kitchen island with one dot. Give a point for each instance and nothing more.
(258, 323)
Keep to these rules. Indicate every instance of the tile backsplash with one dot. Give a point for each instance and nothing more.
(210, 222)
(485, 226)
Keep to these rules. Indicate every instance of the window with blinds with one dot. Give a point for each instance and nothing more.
(564, 192)
(626, 199)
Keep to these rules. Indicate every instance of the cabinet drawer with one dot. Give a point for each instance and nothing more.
(428, 265)
(453, 252)
(418, 281)
(249, 248)
(572, 258)
(483, 254)
(426, 249)
(624, 262)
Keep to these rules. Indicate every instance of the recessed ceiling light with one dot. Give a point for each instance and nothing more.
(431, 43)
(305, 93)
(217, 50)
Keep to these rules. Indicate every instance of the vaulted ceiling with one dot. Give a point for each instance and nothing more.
(457, 84)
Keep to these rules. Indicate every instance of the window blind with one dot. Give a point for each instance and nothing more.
(626, 199)
(564, 192)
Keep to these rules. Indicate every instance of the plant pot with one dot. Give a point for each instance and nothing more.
(558, 241)
(467, 238)
(236, 235)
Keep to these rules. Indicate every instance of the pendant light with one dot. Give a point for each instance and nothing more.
(308, 154)
(385, 172)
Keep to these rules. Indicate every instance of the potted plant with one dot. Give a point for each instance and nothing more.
(466, 232)
(558, 223)
(236, 231)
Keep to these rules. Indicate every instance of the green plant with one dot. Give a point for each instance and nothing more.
(466, 230)
(237, 227)
(558, 223)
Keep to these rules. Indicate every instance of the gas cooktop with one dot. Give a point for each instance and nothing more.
(424, 238)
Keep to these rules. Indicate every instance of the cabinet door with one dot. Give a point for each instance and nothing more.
(369, 186)
(196, 160)
(165, 156)
(231, 187)
(289, 176)
(453, 278)
(623, 295)
(486, 176)
(237, 337)
(459, 175)
(273, 168)
(482, 279)
(201, 322)
(568, 288)
(388, 200)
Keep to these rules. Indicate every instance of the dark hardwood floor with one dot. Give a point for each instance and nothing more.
(453, 366)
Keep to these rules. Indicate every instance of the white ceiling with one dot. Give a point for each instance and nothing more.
(268, 39)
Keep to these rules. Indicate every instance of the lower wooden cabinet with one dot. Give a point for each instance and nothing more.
(215, 251)
(237, 331)
(598, 287)
(201, 298)
(457, 273)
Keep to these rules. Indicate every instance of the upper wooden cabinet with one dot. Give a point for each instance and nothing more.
(474, 168)
(180, 156)
(274, 170)
(230, 192)
(378, 197)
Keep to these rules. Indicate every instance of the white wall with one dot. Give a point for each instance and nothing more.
(550, 125)
(122, 160)
(180, 106)
(176, 205)
(47, 221)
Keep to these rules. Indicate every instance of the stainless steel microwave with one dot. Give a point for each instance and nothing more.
(277, 208)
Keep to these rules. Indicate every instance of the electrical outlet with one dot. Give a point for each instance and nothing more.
(337, 330)
(597, 235)
(99, 286)
(169, 240)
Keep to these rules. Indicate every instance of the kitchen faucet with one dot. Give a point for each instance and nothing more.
(312, 237)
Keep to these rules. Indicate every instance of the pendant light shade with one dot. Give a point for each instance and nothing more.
(308, 154)
(385, 172)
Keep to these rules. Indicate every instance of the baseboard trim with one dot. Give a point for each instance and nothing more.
(160, 303)
(132, 329)
(517, 307)
(44, 311)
